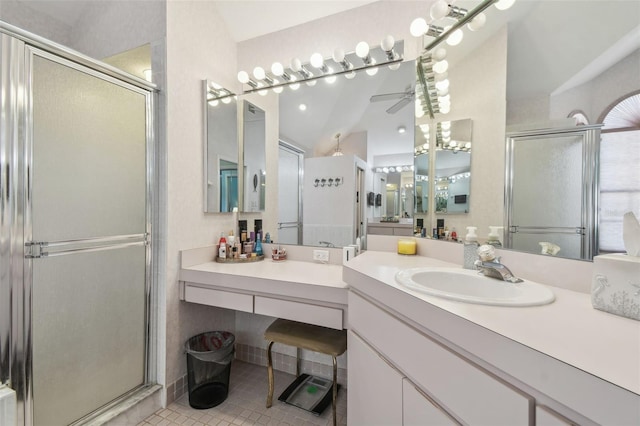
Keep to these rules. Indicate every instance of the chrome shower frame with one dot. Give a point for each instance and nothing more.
(17, 50)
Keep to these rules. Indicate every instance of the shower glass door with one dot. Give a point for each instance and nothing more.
(86, 233)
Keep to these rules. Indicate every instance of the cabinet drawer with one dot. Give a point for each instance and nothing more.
(222, 299)
(473, 395)
(297, 311)
(379, 230)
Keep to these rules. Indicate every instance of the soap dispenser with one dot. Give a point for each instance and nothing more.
(470, 248)
(494, 236)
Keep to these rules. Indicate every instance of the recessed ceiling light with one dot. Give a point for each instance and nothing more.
(401, 129)
(302, 107)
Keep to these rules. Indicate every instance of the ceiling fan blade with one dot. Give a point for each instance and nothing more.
(399, 105)
(387, 97)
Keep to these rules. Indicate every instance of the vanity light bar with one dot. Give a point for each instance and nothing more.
(393, 169)
(389, 53)
(217, 93)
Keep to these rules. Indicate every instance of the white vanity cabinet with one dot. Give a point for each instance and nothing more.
(374, 394)
(464, 390)
(418, 410)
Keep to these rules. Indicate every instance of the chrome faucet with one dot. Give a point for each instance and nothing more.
(495, 269)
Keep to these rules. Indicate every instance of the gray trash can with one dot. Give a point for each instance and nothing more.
(209, 358)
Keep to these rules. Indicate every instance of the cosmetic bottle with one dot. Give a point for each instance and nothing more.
(494, 236)
(222, 247)
(258, 248)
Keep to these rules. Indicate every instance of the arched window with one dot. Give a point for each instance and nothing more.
(619, 170)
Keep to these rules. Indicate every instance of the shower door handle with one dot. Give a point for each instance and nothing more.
(40, 249)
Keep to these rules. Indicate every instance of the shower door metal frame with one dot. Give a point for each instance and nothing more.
(590, 136)
(17, 50)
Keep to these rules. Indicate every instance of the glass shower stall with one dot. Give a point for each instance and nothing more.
(76, 155)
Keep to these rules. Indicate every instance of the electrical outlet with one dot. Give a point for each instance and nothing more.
(321, 255)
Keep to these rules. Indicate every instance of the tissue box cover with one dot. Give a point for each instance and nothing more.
(615, 286)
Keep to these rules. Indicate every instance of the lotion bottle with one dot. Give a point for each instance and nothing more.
(494, 236)
(470, 248)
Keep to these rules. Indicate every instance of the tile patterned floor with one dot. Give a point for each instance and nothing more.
(245, 404)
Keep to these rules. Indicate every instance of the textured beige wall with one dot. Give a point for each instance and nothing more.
(198, 47)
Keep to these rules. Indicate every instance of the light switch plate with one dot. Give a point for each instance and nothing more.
(321, 255)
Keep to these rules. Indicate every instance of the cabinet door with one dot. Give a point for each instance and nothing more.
(417, 410)
(374, 395)
(547, 417)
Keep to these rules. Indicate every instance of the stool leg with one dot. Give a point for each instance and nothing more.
(298, 361)
(335, 389)
(270, 374)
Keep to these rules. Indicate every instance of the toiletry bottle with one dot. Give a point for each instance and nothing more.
(258, 248)
(470, 248)
(494, 236)
(454, 235)
(222, 247)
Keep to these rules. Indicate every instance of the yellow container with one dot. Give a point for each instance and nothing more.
(407, 246)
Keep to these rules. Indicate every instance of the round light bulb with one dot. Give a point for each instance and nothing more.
(338, 55)
(294, 86)
(419, 112)
(385, 170)
(468, 146)
(439, 10)
(362, 49)
(453, 143)
(440, 67)
(311, 83)
(243, 77)
(226, 100)
(258, 72)
(441, 76)
(504, 4)
(387, 43)
(263, 92)
(477, 22)
(278, 89)
(443, 92)
(446, 125)
(442, 85)
(316, 60)
(214, 85)
(350, 75)
(455, 38)
(277, 69)
(395, 66)
(296, 65)
(418, 27)
(214, 102)
(445, 109)
(302, 107)
(439, 54)
(330, 79)
(372, 71)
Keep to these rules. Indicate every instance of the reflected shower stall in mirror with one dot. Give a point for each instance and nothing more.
(220, 151)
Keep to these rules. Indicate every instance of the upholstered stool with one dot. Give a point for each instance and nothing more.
(306, 336)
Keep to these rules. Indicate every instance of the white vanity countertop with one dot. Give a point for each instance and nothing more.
(289, 278)
(569, 329)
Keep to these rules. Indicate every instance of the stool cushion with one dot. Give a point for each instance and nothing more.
(307, 336)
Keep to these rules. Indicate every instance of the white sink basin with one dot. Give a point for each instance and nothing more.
(469, 286)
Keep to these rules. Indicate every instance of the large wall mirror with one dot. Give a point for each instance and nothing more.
(333, 137)
(254, 157)
(554, 71)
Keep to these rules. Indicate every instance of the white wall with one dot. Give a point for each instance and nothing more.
(481, 96)
(595, 96)
(198, 47)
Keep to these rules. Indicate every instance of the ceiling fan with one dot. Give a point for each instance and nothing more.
(404, 98)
